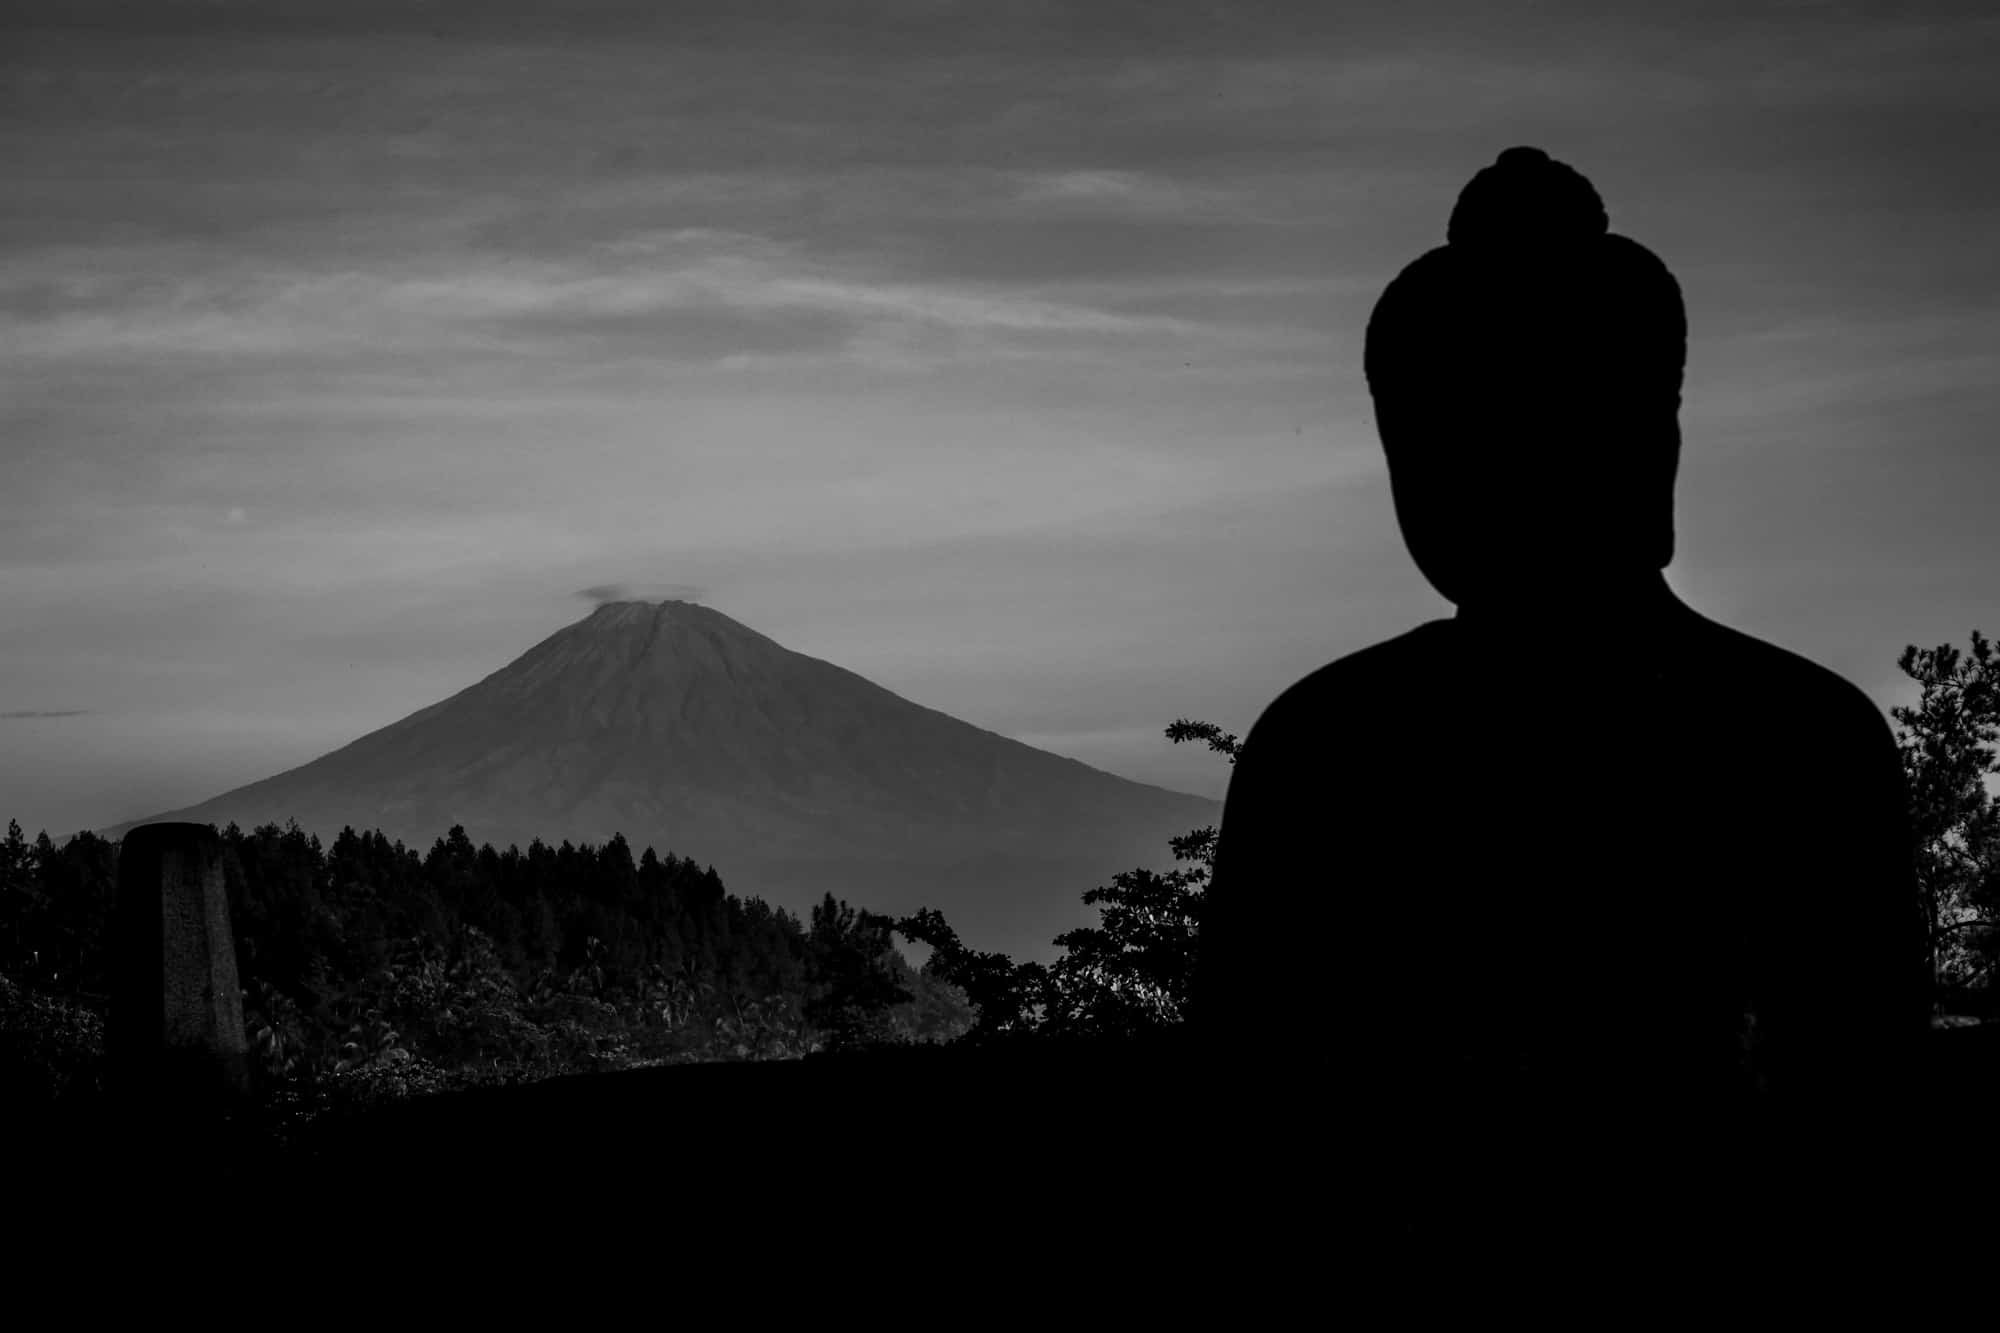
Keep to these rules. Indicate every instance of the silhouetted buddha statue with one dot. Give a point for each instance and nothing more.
(1576, 860)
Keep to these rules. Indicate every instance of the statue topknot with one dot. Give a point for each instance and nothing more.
(1526, 200)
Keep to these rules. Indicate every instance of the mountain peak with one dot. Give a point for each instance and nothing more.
(618, 613)
(642, 610)
(686, 730)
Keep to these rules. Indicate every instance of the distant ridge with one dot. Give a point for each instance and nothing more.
(681, 728)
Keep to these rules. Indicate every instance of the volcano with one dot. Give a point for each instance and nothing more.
(688, 732)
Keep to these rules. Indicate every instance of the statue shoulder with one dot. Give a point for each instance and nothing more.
(1350, 693)
(1794, 691)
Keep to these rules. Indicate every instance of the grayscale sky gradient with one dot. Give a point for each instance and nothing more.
(1006, 354)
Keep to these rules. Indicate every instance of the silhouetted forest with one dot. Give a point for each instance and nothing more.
(372, 970)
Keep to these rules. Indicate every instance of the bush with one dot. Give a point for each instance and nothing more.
(51, 1049)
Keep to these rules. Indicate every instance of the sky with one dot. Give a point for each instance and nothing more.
(1006, 354)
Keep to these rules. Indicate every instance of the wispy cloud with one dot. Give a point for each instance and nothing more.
(603, 593)
(23, 714)
(1143, 195)
(688, 298)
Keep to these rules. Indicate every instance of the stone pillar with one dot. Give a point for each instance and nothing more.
(175, 1029)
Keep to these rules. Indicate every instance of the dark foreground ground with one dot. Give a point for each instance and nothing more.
(1048, 1150)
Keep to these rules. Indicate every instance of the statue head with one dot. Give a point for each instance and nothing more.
(1526, 378)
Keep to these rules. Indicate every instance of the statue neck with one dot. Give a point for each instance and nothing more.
(1616, 608)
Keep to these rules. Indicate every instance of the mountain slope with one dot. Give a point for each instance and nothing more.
(683, 729)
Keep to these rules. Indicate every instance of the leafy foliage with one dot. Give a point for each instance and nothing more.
(1134, 973)
(51, 1050)
(937, 1010)
(1129, 976)
(1004, 995)
(1947, 742)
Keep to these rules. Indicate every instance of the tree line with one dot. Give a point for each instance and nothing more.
(371, 967)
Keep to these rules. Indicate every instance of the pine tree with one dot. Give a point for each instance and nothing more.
(21, 903)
